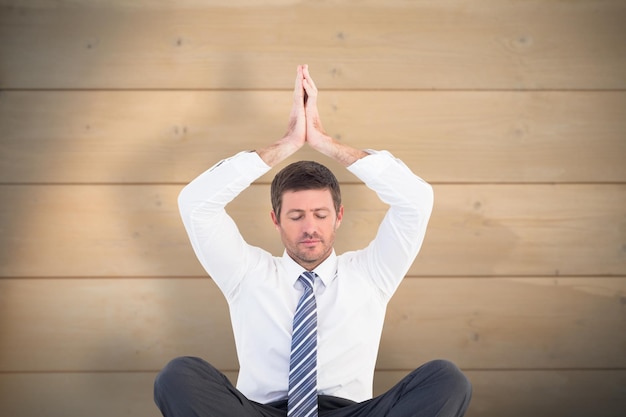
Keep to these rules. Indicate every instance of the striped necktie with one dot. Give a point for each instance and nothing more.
(302, 394)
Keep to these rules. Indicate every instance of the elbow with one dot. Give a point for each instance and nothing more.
(425, 199)
(184, 201)
(430, 199)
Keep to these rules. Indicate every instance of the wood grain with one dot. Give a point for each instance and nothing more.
(479, 230)
(480, 323)
(514, 110)
(172, 136)
(400, 45)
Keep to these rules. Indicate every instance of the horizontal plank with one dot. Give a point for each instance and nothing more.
(507, 323)
(416, 45)
(526, 230)
(479, 323)
(108, 324)
(78, 394)
(171, 136)
(495, 393)
(480, 230)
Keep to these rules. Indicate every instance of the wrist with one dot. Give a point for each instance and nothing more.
(340, 152)
(279, 150)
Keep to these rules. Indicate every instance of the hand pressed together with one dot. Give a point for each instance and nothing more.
(305, 126)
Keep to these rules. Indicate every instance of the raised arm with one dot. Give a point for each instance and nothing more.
(295, 136)
(316, 137)
(401, 233)
(305, 126)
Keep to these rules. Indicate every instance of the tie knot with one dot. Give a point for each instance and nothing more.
(307, 279)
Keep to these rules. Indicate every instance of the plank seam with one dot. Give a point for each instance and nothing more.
(333, 90)
(182, 184)
(202, 277)
(126, 371)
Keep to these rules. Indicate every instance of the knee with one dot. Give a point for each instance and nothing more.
(170, 373)
(176, 373)
(450, 377)
(440, 387)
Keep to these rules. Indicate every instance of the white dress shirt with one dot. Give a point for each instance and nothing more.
(262, 290)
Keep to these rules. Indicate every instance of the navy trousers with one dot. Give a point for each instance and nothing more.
(191, 387)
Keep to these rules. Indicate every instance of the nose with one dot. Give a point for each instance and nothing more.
(309, 226)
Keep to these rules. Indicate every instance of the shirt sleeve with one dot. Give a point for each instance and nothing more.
(214, 236)
(400, 235)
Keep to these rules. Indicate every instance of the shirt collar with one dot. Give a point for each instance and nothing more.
(327, 270)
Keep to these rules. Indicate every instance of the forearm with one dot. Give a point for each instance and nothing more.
(316, 137)
(284, 148)
(340, 152)
(221, 183)
(394, 182)
(296, 130)
(278, 151)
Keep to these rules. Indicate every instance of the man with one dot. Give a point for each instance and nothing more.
(307, 325)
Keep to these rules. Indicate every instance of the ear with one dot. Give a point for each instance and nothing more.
(274, 219)
(339, 217)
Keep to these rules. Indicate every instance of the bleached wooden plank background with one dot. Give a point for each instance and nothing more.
(514, 111)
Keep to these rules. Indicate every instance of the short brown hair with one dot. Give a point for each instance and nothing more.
(304, 175)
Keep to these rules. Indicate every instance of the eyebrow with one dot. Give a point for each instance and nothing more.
(303, 211)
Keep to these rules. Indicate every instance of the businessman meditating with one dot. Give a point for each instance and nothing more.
(307, 324)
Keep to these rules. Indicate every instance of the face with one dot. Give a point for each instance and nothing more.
(307, 225)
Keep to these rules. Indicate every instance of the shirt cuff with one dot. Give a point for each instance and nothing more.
(249, 164)
(371, 166)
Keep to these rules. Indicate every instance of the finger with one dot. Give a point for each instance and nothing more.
(298, 91)
(307, 77)
(310, 92)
